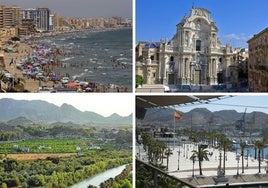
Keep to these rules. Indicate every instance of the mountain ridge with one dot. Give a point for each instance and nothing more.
(202, 117)
(43, 112)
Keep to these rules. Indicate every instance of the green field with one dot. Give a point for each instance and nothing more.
(52, 145)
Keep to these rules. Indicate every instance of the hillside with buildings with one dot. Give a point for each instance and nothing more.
(203, 119)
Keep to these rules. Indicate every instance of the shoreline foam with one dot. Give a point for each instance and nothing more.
(28, 48)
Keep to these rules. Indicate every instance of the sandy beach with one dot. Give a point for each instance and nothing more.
(33, 64)
(19, 55)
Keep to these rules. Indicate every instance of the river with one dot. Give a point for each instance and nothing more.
(99, 178)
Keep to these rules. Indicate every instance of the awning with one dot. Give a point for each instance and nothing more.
(167, 100)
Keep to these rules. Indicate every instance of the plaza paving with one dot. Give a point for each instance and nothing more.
(210, 167)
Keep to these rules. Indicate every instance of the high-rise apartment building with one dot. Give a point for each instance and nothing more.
(41, 17)
(10, 16)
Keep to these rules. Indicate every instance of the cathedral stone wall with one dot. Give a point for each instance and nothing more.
(194, 56)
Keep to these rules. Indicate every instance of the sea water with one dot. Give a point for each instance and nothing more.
(250, 151)
(100, 56)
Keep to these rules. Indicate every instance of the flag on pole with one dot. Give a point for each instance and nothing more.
(177, 114)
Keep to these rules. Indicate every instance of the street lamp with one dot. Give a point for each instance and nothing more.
(179, 160)
(237, 158)
(236, 147)
(247, 158)
(266, 164)
(187, 151)
(220, 156)
(183, 149)
(193, 158)
(139, 152)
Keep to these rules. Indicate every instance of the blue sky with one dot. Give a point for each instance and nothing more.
(238, 102)
(237, 20)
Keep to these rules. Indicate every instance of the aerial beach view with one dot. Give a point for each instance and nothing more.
(64, 53)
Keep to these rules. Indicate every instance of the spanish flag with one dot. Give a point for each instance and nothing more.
(177, 114)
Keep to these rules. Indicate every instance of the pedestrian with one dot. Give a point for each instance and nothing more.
(11, 62)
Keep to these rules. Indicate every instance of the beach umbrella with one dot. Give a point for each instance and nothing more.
(71, 84)
(65, 80)
(83, 83)
(19, 65)
(88, 89)
(36, 65)
(24, 71)
(39, 75)
(54, 77)
(43, 62)
(8, 75)
(29, 66)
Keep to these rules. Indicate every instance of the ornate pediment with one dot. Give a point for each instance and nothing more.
(200, 12)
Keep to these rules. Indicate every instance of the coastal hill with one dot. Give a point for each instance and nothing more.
(41, 112)
(202, 118)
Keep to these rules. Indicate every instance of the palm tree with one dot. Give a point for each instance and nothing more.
(145, 140)
(225, 144)
(259, 145)
(163, 147)
(159, 148)
(201, 155)
(243, 145)
(193, 157)
(168, 153)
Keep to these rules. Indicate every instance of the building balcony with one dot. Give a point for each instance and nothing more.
(170, 49)
(262, 67)
(214, 50)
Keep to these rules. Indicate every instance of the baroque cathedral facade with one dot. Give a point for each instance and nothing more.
(194, 56)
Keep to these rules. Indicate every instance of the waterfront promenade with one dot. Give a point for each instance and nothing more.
(233, 168)
(210, 167)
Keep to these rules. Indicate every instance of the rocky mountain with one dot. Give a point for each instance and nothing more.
(41, 112)
(202, 117)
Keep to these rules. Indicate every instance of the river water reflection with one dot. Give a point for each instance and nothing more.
(98, 179)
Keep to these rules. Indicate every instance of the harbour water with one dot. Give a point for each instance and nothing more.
(100, 56)
(98, 179)
(250, 151)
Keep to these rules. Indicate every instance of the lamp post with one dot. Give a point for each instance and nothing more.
(220, 158)
(236, 148)
(183, 149)
(179, 159)
(266, 164)
(247, 158)
(187, 151)
(193, 158)
(237, 158)
(139, 152)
